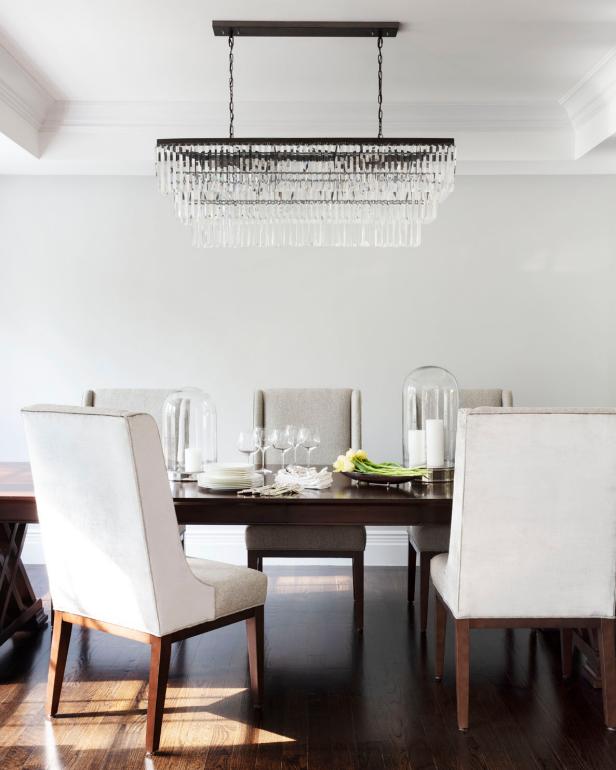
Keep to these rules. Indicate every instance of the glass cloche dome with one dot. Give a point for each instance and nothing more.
(189, 433)
(430, 398)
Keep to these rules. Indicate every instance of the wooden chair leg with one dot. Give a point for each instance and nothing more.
(424, 588)
(358, 589)
(607, 652)
(253, 560)
(412, 568)
(255, 636)
(566, 651)
(159, 674)
(440, 625)
(260, 563)
(57, 662)
(462, 671)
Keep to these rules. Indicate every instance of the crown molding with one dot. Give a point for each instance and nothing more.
(278, 118)
(591, 104)
(23, 103)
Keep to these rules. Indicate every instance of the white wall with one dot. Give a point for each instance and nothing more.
(100, 286)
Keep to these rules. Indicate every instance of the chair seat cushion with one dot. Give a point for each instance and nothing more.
(438, 567)
(282, 537)
(235, 588)
(430, 537)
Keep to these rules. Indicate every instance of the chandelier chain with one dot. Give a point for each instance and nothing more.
(231, 109)
(380, 97)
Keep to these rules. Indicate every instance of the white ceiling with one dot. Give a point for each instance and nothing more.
(88, 86)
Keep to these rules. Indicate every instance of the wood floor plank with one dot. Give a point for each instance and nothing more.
(333, 700)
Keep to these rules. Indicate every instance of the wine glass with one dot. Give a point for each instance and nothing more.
(281, 442)
(311, 442)
(263, 440)
(246, 443)
(292, 432)
(303, 434)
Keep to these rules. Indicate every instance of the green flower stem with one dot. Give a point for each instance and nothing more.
(387, 469)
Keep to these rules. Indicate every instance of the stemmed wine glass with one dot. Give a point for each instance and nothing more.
(281, 442)
(247, 444)
(292, 433)
(303, 434)
(263, 441)
(310, 441)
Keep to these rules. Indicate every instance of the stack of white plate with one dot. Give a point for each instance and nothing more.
(229, 477)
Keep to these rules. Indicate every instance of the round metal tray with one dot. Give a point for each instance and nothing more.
(376, 478)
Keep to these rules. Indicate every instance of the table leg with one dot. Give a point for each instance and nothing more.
(586, 640)
(20, 610)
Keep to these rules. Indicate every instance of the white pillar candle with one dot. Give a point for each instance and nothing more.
(435, 443)
(181, 428)
(416, 448)
(193, 461)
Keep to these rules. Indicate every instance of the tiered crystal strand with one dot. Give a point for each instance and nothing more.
(330, 193)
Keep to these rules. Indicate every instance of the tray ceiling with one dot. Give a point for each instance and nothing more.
(88, 87)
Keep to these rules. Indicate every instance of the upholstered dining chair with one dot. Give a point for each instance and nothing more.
(148, 400)
(114, 560)
(429, 539)
(336, 413)
(533, 533)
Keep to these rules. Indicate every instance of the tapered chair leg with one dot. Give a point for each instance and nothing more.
(607, 652)
(412, 568)
(440, 627)
(462, 671)
(424, 588)
(255, 636)
(57, 662)
(566, 651)
(358, 589)
(253, 560)
(159, 674)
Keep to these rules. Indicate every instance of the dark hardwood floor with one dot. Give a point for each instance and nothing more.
(333, 700)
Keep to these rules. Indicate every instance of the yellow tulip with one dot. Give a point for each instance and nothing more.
(343, 463)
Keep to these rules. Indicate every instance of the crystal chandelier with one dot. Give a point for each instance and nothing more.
(306, 192)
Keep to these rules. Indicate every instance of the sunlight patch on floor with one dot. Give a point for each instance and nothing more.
(194, 718)
(293, 584)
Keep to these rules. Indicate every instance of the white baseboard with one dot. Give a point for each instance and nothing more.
(386, 546)
(33, 547)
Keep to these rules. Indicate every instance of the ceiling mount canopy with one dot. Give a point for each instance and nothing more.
(306, 28)
(303, 191)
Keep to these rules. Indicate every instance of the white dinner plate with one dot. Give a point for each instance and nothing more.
(231, 468)
(229, 485)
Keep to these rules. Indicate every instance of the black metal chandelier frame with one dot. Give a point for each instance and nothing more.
(249, 148)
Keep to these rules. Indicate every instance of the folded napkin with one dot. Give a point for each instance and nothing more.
(306, 478)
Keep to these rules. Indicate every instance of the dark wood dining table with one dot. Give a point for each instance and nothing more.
(345, 502)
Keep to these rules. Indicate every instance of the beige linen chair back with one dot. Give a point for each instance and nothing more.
(148, 400)
(107, 520)
(474, 397)
(335, 412)
(533, 530)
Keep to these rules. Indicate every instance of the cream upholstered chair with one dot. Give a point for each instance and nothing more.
(533, 533)
(430, 539)
(148, 400)
(336, 412)
(113, 556)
